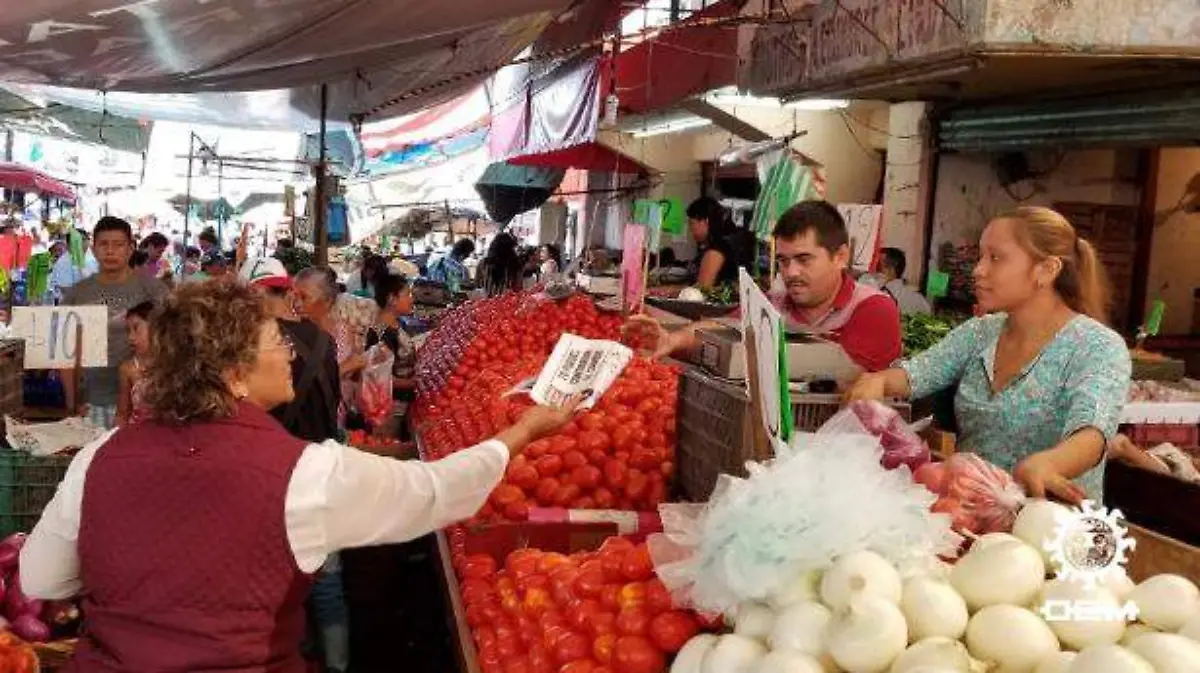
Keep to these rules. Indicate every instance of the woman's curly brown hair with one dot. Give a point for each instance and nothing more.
(200, 332)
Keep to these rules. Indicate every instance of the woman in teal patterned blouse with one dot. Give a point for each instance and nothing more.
(1041, 380)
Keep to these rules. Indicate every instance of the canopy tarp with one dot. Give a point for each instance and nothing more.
(371, 53)
(589, 156)
(24, 179)
(71, 123)
(508, 190)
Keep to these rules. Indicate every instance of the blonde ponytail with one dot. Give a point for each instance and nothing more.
(1045, 233)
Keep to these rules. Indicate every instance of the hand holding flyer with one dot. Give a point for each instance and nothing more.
(579, 365)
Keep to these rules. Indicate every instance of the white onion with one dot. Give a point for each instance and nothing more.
(869, 636)
(1119, 584)
(804, 587)
(944, 653)
(1012, 638)
(931, 669)
(1168, 652)
(1109, 659)
(691, 656)
(1003, 573)
(802, 628)
(1191, 628)
(1076, 634)
(783, 661)
(754, 620)
(1166, 601)
(1037, 523)
(863, 573)
(734, 654)
(988, 539)
(933, 608)
(1056, 663)
(1132, 631)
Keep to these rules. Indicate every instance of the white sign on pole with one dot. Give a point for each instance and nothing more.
(762, 332)
(49, 334)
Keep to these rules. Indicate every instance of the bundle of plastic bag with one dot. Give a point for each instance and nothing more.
(824, 497)
(977, 495)
(901, 445)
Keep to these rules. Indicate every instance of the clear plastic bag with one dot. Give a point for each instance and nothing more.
(824, 497)
(375, 393)
(900, 442)
(979, 496)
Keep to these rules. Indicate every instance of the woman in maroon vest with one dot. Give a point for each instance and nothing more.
(192, 538)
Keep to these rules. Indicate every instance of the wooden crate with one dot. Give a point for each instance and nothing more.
(1157, 554)
(1158, 502)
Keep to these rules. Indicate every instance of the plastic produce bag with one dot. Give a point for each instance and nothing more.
(901, 445)
(979, 496)
(375, 394)
(827, 497)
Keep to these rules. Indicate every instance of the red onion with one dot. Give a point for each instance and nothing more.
(31, 628)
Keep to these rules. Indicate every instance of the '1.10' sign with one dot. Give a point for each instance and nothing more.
(51, 335)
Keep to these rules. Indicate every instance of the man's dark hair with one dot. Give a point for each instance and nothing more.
(284, 243)
(463, 248)
(193, 252)
(155, 240)
(138, 258)
(894, 259)
(209, 235)
(820, 217)
(706, 208)
(110, 223)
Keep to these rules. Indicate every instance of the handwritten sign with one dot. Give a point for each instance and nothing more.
(863, 223)
(49, 334)
(666, 215)
(764, 339)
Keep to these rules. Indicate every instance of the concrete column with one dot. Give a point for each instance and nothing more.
(909, 168)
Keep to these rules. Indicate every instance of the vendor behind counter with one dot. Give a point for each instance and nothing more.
(812, 255)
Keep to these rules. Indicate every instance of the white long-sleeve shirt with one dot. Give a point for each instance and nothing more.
(338, 497)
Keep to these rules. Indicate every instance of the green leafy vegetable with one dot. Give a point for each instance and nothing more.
(922, 331)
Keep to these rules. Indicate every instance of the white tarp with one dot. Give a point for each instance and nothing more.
(367, 51)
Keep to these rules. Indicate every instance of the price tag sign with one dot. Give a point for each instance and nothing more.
(579, 365)
(49, 334)
(764, 338)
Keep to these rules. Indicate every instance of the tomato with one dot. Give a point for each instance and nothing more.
(525, 476)
(583, 611)
(623, 437)
(636, 566)
(597, 458)
(517, 511)
(476, 590)
(670, 630)
(636, 654)
(537, 600)
(518, 665)
(637, 485)
(572, 647)
(612, 562)
(553, 560)
(632, 595)
(521, 565)
(534, 581)
(540, 660)
(604, 498)
(508, 646)
(574, 459)
(632, 621)
(602, 647)
(594, 440)
(592, 421)
(479, 566)
(565, 494)
(549, 465)
(586, 477)
(562, 442)
(615, 474)
(658, 599)
(546, 490)
(579, 666)
(602, 623)
(610, 596)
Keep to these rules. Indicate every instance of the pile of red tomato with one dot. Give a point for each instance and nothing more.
(618, 455)
(591, 612)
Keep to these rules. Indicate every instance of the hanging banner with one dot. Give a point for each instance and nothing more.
(633, 250)
(785, 182)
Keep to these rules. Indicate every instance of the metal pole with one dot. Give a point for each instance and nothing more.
(220, 196)
(320, 234)
(187, 206)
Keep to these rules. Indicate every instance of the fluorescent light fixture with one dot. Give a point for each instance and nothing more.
(674, 126)
(730, 97)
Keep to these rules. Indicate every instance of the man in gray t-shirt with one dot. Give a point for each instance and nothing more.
(119, 288)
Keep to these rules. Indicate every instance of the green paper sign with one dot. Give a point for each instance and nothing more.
(938, 284)
(670, 214)
(786, 417)
(1154, 322)
(76, 250)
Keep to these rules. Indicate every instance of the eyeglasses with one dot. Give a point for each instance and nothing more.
(284, 343)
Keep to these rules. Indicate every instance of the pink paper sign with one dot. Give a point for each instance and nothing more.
(633, 247)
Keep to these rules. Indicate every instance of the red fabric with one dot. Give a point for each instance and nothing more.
(25, 179)
(184, 550)
(676, 64)
(584, 156)
(871, 334)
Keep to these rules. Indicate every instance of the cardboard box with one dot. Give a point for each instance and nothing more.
(809, 357)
